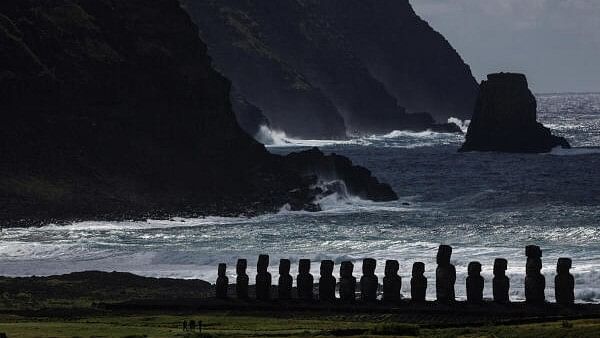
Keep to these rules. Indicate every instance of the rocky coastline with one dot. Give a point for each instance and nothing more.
(112, 110)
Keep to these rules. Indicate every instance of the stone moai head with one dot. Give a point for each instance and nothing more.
(500, 266)
(418, 269)
(533, 266)
(391, 268)
(284, 266)
(443, 255)
(304, 266)
(368, 266)
(263, 263)
(222, 269)
(326, 268)
(240, 267)
(474, 269)
(563, 266)
(533, 251)
(346, 269)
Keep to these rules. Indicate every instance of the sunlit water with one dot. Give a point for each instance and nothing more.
(485, 205)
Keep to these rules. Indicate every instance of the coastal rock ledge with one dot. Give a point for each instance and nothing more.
(505, 119)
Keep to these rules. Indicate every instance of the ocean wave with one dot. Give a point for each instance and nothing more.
(394, 139)
(276, 138)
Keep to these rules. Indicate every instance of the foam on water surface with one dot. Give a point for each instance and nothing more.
(486, 205)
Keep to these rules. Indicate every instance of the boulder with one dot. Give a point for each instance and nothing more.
(359, 181)
(505, 119)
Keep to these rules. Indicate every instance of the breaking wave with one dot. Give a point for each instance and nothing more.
(394, 139)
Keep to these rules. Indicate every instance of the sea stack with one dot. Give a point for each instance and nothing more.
(505, 119)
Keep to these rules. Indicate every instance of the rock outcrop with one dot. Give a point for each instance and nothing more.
(505, 119)
(112, 110)
(416, 64)
(313, 165)
(321, 68)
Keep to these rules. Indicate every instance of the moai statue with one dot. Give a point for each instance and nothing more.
(564, 283)
(501, 283)
(327, 281)
(474, 283)
(392, 283)
(369, 281)
(347, 282)
(535, 282)
(418, 282)
(263, 278)
(304, 280)
(241, 282)
(445, 275)
(222, 282)
(285, 280)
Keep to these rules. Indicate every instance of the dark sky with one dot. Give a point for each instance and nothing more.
(555, 42)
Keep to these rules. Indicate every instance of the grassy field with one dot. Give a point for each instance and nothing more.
(233, 325)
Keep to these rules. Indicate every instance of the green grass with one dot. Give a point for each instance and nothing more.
(233, 325)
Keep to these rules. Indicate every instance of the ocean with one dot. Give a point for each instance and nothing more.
(486, 205)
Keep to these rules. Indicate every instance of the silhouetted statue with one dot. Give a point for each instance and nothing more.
(304, 280)
(199, 324)
(285, 280)
(475, 283)
(535, 282)
(501, 283)
(241, 282)
(327, 281)
(185, 326)
(222, 282)
(192, 325)
(369, 281)
(263, 278)
(445, 275)
(392, 282)
(418, 282)
(564, 283)
(347, 282)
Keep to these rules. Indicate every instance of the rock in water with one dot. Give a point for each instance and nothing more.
(359, 181)
(505, 119)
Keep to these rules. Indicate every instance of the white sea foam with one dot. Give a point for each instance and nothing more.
(462, 124)
(395, 139)
(277, 138)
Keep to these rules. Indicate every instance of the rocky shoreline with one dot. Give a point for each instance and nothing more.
(106, 115)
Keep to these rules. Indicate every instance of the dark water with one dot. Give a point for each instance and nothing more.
(485, 205)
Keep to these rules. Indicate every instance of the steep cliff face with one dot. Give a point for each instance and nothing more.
(113, 108)
(368, 81)
(505, 119)
(289, 101)
(416, 64)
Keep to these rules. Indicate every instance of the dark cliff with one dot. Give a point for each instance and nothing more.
(269, 46)
(111, 109)
(417, 65)
(505, 119)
